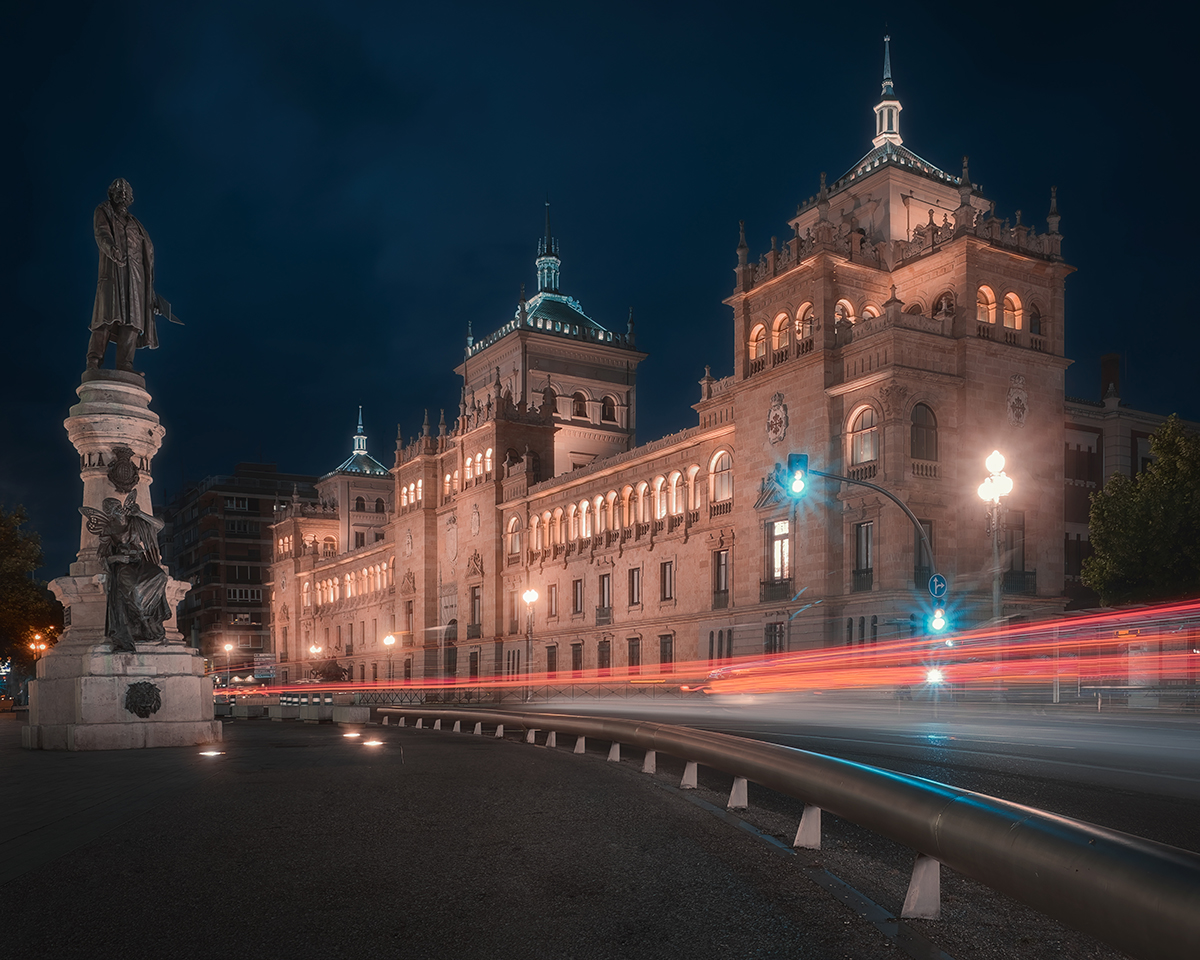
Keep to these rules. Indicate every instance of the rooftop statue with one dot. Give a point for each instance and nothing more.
(125, 299)
(135, 581)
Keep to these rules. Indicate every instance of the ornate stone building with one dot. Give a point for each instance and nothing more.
(898, 335)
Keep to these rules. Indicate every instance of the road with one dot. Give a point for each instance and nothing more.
(1133, 771)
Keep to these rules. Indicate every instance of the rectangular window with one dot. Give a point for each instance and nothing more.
(781, 563)
(476, 605)
(1014, 539)
(604, 657)
(720, 579)
(923, 568)
(635, 586)
(243, 595)
(667, 580)
(409, 616)
(666, 652)
(552, 600)
(577, 596)
(551, 661)
(577, 659)
(864, 555)
(635, 655)
(605, 598)
(360, 539)
(774, 637)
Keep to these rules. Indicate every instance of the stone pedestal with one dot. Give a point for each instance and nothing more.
(82, 698)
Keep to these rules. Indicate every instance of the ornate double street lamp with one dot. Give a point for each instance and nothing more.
(313, 652)
(991, 490)
(38, 646)
(530, 597)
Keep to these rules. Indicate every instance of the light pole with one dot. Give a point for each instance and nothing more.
(38, 647)
(530, 597)
(228, 657)
(313, 652)
(389, 641)
(991, 490)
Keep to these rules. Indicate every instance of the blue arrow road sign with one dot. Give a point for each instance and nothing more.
(937, 586)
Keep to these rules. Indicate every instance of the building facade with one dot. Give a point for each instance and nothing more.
(217, 536)
(900, 334)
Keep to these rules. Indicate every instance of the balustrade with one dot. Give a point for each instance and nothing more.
(721, 509)
(925, 469)
(864, 471)
(773, 590)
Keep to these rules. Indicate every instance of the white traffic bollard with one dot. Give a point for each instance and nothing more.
(737, 796)
(689, 776)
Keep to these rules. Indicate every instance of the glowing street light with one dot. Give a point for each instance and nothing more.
(530, 597)
(389, 641)
(998, 485)
(228, 657)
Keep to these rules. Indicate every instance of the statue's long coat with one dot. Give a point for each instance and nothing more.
(124, 291)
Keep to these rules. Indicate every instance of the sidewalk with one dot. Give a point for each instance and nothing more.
(301, 842)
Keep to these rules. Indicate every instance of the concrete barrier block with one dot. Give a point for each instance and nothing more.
(924, 898)
(478, 729)
(580, 744)
(650, 763)
(808, 834)
(457, 727)
(499, 731)
(437, 724)
(283, 712)
(737, 796)
(351, 714)
(614, 753)
(551, 739)
(689, 776)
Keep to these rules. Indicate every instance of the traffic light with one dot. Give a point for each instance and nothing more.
(797, 474)
(938, 622)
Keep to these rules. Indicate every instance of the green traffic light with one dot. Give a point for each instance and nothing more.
(938, 623)
(797, 467)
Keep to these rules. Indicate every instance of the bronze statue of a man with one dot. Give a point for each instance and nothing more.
(125, 297)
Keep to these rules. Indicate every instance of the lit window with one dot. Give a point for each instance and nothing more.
(985, 305)
(758, 342)
(924, 433)
(864, 438)
(723, 478)
(1012, 312)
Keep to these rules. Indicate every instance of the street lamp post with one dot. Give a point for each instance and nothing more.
(991, 490)
(389, 641)
(314, 651)
(38, 647)
(228, 669)
(530, 597)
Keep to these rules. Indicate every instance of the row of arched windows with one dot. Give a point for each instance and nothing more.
(1011, 311)
(923, 435)
(412, 494)
(358, 583)
(579, 408)
(360, 504)
(667, 495)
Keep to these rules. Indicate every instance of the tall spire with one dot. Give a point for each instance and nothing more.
(360, 438)
(548, 262)
(887, 111)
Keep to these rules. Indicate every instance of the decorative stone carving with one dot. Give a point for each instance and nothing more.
(475, 565)
(143, 698)
(474, 519)
(408, 583)
(893, 398)
(777, 419)
(408, 542)
(122, 471)
(452, 537)
(1018, 401)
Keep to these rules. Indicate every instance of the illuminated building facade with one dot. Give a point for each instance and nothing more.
(899, 335)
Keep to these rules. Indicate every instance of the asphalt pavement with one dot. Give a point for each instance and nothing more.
(299, 841)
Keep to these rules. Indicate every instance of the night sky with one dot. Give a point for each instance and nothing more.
(335, 189)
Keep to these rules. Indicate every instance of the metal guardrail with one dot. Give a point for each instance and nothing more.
(1137, 895)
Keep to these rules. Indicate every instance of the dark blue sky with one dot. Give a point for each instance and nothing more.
(335, 189)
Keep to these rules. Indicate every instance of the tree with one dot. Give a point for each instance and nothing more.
(1145, 531)
(26, 606)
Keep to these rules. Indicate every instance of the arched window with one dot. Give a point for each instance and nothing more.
(660, 499)
(470, 471)
(403, 496)
(572, 522)
(556, 531)
(758, 342)
(579, 406)
(479, 466)
(585, 520)
(914, 309)
(781, 331)
(1012, 312)
(487, 460)
(379, 507)
(608, 410)
(412, 493)
(454, 482)
(307, 594)
(329, 547)
(360, 504)
(535, 532)
(805, 321)
(446, 486)
(674, 494)
(598, 511)
(419, 497)
(843, 312)
(1035, 321)
(864, 438)
(514, 536)
(924, 433)
(722, 478)
(643, 507)
(985, 305)
(870, 312)
(627, 517)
